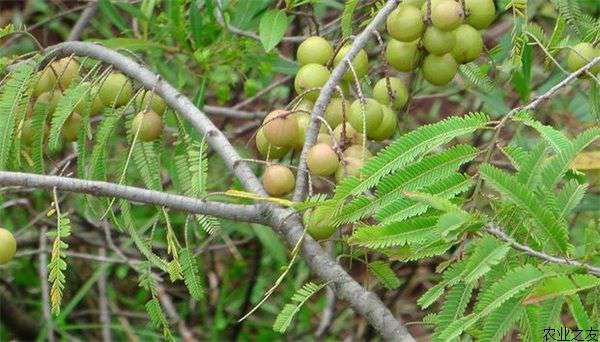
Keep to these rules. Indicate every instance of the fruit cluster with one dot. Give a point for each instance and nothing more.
(115, 90)
(437, 35)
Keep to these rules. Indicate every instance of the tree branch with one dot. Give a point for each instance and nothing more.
(285, 221)
(82, 22)
(328, 89)
(500, 234)
(233, 112)
(238, 212)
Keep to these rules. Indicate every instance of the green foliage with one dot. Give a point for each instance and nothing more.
(286, 315)
(58, 265)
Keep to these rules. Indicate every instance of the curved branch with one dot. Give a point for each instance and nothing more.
(500, 234)
(238, 212)
(82, 22)
(286, 221)
(328, 89)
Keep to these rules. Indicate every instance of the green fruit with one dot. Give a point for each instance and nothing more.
(438, 42)
(357, 152)
(324, 138)
(322, 160)
(416, 3)
(314, 50)
(334, 113)
(303, 122)
(8, 246)
(344, 86)
(267, 150)
(370, 115)
(281, 128)
(67, 69)
(387, 127)
(405, 23)
(116, 90)
(27, 132)
(447, 15)
(348, 167)
(304, 104)
(439, 70)
(480, 13)
(403, 56)
(71, 128)
(469, 44)
(148, 125)
(398, 90)
(158, 105)
(351, 136)
(278, 180)
(50, 100)
(580, 55)
(311, 76)
(318, 223)
(45, 83)
(91, 95)
(360, 63)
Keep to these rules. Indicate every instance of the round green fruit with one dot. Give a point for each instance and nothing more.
(357, 152)
(281, 128)
(334, 113)
(439, 70)
(580, 55)
(360, 63)
(403, 56)
(324, 138)
(314, 50)
(67, 69)
(387, 127)
(72, 127)
(447, 15)
(27, 132)
(365, 117)
(480, 13)
(322, 160)
(267, 150)
(397, 88)
(311, 76)
(45, 83)
(304, 104)
(303, 122)
(90, 98)
(8, 246)
(278, 180)
(469, 44)
(348, 167)
(148, 125)
(116, 90)
(405, 23)
(318, 223)
(150, 100)
(351, 136)
(438, 42)
(49, 100)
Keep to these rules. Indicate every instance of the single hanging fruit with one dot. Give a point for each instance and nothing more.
(322, 160)
(281, 128)
(314, 50)
(278, 180)
(148, 126)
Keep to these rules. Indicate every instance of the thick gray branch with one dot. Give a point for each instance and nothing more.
(238, 212)
(328, 89)
(499, 233)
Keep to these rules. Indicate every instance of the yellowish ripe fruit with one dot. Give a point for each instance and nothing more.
(348, 167)
(357, 152)
(71, 128)
(8, 246)
(334, 112)
(322, 160)
(397, 88)
(267, 150)
(405, 23)
(365, 117)
(469, 44)
(281, 128)
(314, 50)
(149, 100)
(447, 15)
(403, 56)
(90, 96)
(50, 100)
(580, 55)
(480, 13)
(438, 42)
(45, 83)
(324, 138)
(67, 69)
(116, 90)
(351, 136)
(148, 124)
(309, 77)
(360, 63)
(278, 180)
(439, 70)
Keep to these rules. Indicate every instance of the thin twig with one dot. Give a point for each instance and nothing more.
(233, 112)
(261, 92)
(103, 302)
(499, 233)
(83, 21)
